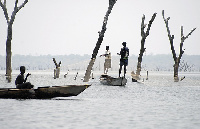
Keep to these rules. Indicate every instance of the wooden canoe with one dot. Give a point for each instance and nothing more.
(112, 81)
(43, 92)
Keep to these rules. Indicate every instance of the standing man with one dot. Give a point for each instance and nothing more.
(124, 58)
(107, 63)
(20, 82)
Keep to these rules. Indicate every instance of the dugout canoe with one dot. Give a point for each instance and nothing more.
(43, 92)
(112, 81)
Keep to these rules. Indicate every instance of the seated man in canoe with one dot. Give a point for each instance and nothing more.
(20, 82)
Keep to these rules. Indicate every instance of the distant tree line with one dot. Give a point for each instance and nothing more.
(190, 63)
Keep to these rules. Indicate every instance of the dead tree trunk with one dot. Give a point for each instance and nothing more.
(171, 39)
(57, 69)
(144, 35)
(9, 33)
(100, 40)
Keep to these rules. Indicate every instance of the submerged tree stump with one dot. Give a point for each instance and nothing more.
(57, 69)
(98, 44)
(144, 35)
(10, 21)
(171, 39)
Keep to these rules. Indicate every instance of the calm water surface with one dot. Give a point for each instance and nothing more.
(156, 103)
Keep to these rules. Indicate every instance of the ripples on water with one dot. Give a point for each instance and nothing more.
(155, 103)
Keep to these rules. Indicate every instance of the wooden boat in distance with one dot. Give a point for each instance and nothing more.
(112, 81)
(42, 92)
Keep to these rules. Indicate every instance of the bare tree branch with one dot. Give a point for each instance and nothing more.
(16, 2)
(4, 3)
(182, 36)
(182, 40)
(16, 9)
(112, 2)
(190, 33)
(150, 23)
(23, 4)
(3, 6)
(171, 37)
(166, 22)
(143, 26)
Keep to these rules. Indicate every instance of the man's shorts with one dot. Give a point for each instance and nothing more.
(123, 62)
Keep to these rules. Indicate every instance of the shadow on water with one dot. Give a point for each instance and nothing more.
(67, 99)
(51, 99)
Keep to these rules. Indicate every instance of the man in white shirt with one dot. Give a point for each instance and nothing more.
(107, 63)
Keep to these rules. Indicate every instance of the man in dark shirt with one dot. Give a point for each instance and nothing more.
(124, 58)
(20, 82)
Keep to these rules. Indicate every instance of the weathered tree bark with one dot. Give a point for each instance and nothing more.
(98, 44)
(57, 69)
(171, 39)
(144, 35)
(9, 33)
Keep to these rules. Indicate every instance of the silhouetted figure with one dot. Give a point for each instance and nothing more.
(124, 58)
(20, 82)
(107, 63)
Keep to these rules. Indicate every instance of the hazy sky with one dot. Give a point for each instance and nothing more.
(60, 27)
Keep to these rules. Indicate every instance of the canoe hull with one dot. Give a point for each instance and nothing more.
(112, 81)
(14, 93)
(60, 91)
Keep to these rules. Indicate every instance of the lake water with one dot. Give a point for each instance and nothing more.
(156, 103)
